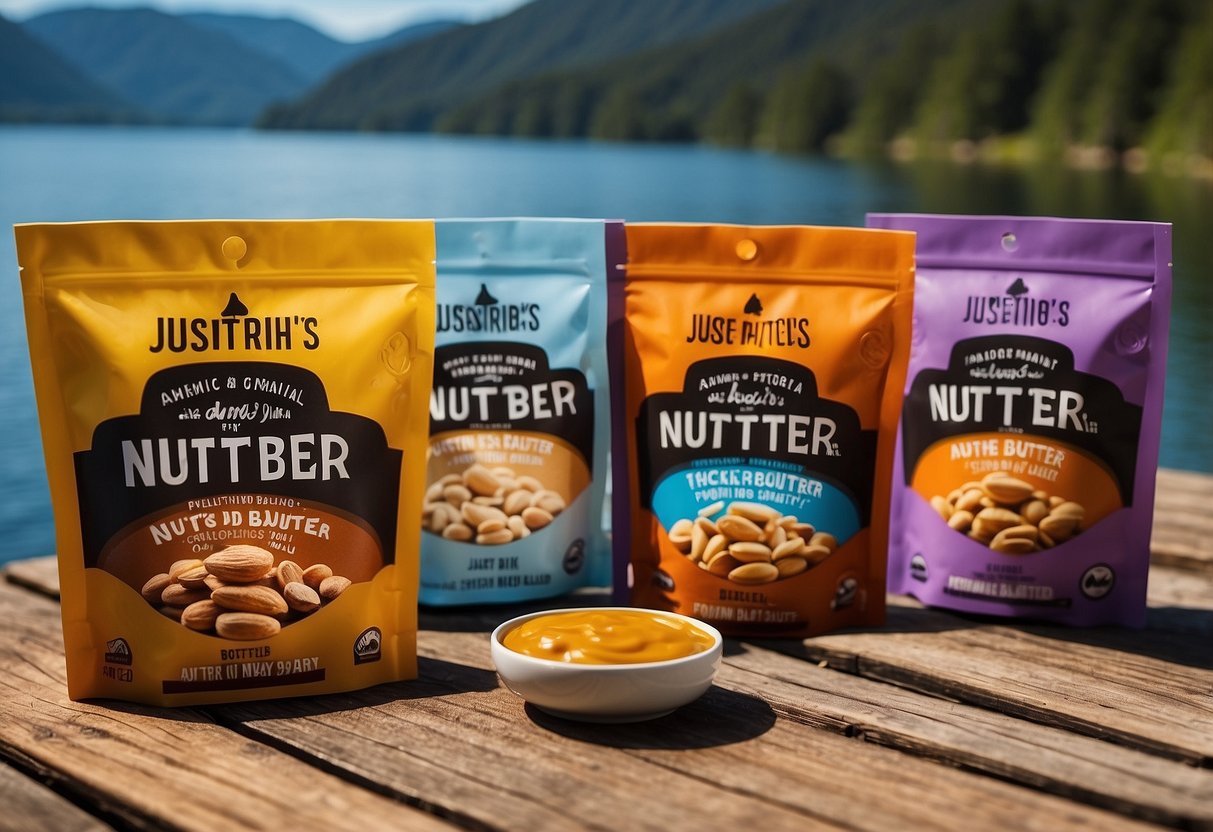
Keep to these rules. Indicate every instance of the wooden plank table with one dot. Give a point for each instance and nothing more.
(934, 721)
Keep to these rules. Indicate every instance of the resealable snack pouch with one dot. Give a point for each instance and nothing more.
(762, 369)
(1029, 436)
(234, 421)
(519, 415)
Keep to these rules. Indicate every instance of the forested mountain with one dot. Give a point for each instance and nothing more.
(1091, 81)
(312, 54)
(727, 85)
(37, 85)
(1085, 80)
(407, 87)
(171, 67)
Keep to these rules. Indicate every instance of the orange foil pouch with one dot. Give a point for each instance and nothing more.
(234, 421)
(762, 370)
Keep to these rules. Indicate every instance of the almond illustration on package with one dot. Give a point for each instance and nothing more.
(240, 593)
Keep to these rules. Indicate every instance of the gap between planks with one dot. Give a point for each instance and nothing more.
(149, 768)
(454, 739)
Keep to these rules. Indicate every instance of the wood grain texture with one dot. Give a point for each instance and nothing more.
(1151, 690)
(1183, 520)
(460, 742)
(156, 768)
(39, 575)
(1170, 587)
(1052, 760)
(940, 720)
(31, 807)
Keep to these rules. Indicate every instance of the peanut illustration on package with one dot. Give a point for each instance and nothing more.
(488, 506)
(750, 543)
(1010, 515)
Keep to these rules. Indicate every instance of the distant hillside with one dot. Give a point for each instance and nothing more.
(169, 66)
(1090, 82)
(672, 93)
(407, 34)
(311, 54)
(38, 85)
(406, 87)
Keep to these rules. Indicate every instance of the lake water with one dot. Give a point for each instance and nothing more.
(68, 173)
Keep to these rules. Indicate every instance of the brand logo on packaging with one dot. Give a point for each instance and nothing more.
(368, 647)
(235, 329)
(117, 651)
(743, 330)
(488, 314)
(1016, 307)
(1098, 581)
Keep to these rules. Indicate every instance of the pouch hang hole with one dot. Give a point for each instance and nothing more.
(233, 250)
(397, 354)
(875, 348)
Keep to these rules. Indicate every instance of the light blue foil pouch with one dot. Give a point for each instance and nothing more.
(519, 414)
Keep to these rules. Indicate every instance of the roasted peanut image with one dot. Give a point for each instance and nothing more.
(488, 506)
(239, 592)
(750, 543)
(1009, 515)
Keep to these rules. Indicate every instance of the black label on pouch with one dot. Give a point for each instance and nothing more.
(1024, 385)
(212, 429)
(504, 385)
(754, 408)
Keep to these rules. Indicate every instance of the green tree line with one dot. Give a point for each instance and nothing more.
(1044, 78)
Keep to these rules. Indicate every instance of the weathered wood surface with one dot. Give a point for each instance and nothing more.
(158, 768)
(31, 807)
(1149, 689)
(728, 760)
(459, 746)
(1183, 520)
(938, 720)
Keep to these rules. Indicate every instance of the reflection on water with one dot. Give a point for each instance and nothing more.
(59, 174)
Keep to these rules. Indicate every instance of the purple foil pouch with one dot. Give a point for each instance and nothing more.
(1028, 447)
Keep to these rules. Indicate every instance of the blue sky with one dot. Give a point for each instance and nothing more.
(345, 19)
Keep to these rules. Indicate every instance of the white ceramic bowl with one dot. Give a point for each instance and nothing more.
(606, 692)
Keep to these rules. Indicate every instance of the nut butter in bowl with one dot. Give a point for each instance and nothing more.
(606, 664)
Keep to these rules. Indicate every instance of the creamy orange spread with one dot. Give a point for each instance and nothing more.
(607, 637)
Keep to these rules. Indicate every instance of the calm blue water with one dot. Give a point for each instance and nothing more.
(57, 174)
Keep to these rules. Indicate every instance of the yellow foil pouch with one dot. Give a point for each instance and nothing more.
(234, 421)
